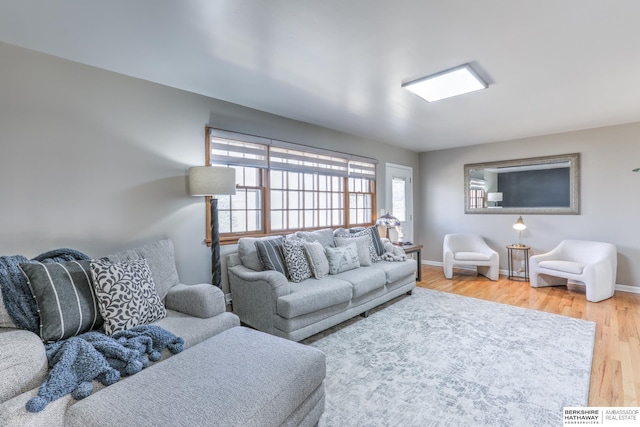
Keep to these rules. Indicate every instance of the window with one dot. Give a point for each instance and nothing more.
(283, 187)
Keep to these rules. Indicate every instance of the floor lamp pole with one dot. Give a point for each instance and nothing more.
(216, 273)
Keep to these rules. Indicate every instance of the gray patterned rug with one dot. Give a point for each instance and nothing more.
(438, 359)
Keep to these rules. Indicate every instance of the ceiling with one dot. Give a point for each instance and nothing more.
(552, 66)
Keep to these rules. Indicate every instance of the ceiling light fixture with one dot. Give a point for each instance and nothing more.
(446, 84)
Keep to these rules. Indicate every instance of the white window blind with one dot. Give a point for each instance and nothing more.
(230, 148)
(237, 149)
(362, 169)
(302, 161)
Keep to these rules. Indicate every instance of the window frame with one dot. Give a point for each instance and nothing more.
(265, 201)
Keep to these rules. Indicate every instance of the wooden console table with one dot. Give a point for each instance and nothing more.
(415, 249)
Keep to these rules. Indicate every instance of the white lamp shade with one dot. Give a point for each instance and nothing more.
(211, 181)
(494, 197)
(519, 225)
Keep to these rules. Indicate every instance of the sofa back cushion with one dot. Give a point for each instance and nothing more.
(325, 237)
(249, 253)
(161, 259)
(66, 298)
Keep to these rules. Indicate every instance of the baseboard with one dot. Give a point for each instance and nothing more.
(626, 288)
(621, 288)
(461, 267)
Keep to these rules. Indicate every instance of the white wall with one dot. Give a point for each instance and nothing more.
(97, 161)
(610, 196)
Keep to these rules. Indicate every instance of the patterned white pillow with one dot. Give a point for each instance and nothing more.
(295, 259)
(126, 294)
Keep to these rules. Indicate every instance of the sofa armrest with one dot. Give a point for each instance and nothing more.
(255, 295)
(203, 300)
(23, 363)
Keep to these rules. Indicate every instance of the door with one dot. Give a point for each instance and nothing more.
(399, 199)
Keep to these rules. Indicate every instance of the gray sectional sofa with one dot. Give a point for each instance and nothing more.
(268, 301)
(227, 374)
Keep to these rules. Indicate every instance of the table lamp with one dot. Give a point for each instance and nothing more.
(495, 198)
(213, 181)
(519, 225)
(387, 221)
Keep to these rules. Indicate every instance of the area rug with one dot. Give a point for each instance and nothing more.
(438, 359)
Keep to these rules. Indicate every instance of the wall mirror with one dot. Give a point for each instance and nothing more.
(538, 185)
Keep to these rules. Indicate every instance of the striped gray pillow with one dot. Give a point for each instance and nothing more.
(270, 254)
(65, 296)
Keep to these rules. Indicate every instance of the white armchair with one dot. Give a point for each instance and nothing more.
(591, 263)
(469, 249)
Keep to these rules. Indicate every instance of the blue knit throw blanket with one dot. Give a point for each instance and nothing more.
(77, 361)
(16, 295)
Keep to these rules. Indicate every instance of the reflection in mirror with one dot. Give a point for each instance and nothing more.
(544, 185)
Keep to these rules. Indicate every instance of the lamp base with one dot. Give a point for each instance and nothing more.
(216, 273)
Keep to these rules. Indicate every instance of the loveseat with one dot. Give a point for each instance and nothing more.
(226, 374)
(269, 300)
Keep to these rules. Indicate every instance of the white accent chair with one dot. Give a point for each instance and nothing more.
(592, 263)
(470, 250)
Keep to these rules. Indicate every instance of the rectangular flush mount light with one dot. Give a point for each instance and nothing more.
(446, 84)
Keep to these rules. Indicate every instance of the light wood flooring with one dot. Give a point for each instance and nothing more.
(615, 374)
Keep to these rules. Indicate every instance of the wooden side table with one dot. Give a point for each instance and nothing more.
(525, 250)
(415, 249)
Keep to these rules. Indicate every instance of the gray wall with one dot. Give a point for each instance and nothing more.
(97, 161)
(610, 202)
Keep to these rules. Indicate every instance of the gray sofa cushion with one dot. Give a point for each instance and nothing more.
(202, 300)
(23, 362)
(249, 253)
(396, 270)
(195, 330)
(325, 237)
(312, 295)
(162, 263)
(364, 280)
(240, 377)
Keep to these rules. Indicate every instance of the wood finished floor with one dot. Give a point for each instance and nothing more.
(615, 374)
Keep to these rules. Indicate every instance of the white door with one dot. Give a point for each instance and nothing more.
(399, 199)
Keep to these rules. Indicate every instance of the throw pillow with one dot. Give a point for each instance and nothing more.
(317, 259)
(377, 241)
(296, 260)
(362, 244)
(270, 254)
(343, 258)
(160, 257)
(66, 299)
(126, 293)
(359, 232)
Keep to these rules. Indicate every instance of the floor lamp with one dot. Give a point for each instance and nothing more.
(213, 181)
